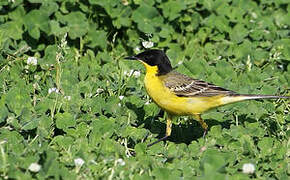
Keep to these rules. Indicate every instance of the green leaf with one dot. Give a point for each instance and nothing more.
(77, 24)
(151, 109)
(214, 115)
(102, 128)
(143, 16)
(49, 56)
(20, 98)
(285, 46)
(172, 9)
(97, 104)
(97, 38)
(3, 110)
(266, 145)
(238, 33)
(56, 29)
(15, 140)
(18, 14)
(112, 106)
(214, 159)
(65, 120)
(28, 122)
(35, 21)
(12, 29)
(140, 149)
(163, 173)
(49, 7)
(45, 126)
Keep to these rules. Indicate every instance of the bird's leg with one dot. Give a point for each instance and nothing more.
(168, 130)
(202, 123)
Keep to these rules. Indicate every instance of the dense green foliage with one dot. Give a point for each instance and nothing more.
(67, 95)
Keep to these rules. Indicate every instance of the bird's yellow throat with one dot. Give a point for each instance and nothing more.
(158, 92)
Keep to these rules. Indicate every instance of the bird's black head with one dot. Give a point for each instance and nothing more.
(154, 57)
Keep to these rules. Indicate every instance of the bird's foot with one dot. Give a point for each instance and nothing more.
(161, 139)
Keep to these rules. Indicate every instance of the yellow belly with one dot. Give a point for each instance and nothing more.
(173, 104)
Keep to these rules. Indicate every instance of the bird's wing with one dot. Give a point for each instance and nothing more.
(185, 86)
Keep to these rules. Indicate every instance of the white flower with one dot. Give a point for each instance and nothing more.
(137, 49)
(37, 77)
(121, 162)
(32, 61)
(79, 162)
(35, 86)
(125, 2)
(54, 89)
(266, 31)
(99, 90)
(147, 44)
(63, 41)
(147, 103)
(67, 98)
(136, 73)
(34, 167)
(248, 168)
(121, 97)
(254, 15)
(132, 72)
(149, 35)
(3, 142)
(180, 62)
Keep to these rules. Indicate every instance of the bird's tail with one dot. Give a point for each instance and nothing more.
(252, 96)
(242, 97)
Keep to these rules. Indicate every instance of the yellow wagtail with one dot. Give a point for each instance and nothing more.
(179, 94)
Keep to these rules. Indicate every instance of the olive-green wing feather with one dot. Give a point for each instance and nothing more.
(185, 86)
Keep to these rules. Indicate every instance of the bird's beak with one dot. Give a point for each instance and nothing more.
(131, 58)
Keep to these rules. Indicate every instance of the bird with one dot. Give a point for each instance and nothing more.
(181, 95)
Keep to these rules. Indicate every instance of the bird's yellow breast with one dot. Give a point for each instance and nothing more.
(171, 103)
